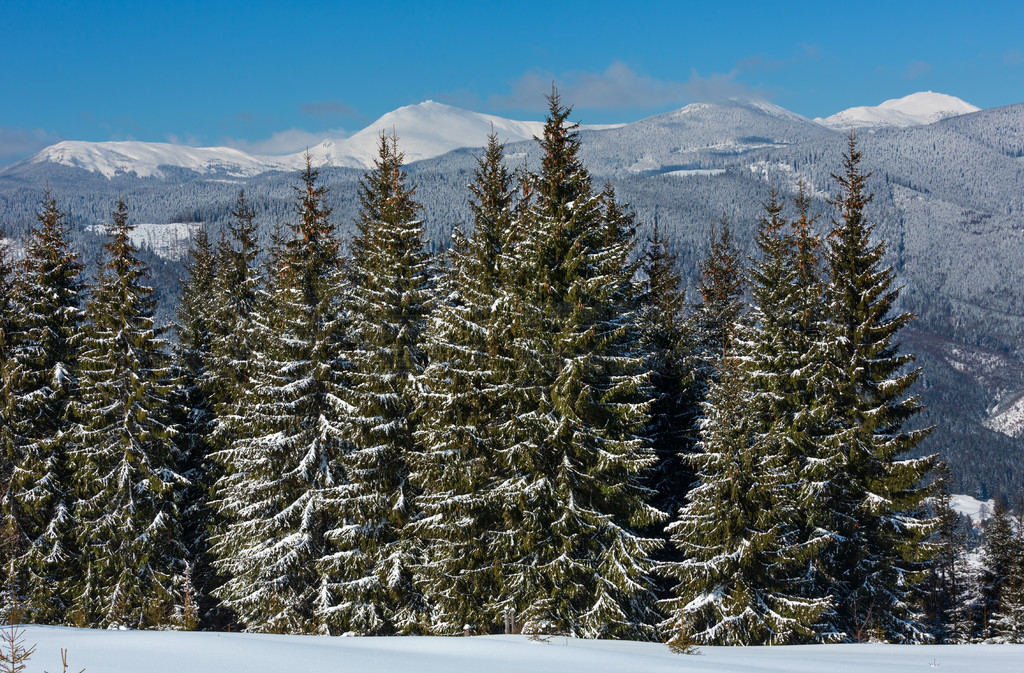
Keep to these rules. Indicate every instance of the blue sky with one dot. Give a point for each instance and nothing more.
(274, 77)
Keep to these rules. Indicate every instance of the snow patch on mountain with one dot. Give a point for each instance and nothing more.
(978, 510)
(1008, 418)
(170, 241)
(924, 107)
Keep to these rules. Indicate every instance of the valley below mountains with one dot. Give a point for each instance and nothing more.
(948, 184)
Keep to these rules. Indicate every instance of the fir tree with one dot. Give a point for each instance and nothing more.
(195, 416)
(233, 307)
(1008, 622)
(578, 462)
(44, 355)
(8, 310)
(125, 459)
(388, 303)
(868, 498)
(999, 555)
(465, 406)
(667, 340)
(745, 550)
(283, 463)
(943, 591)
(721, 292)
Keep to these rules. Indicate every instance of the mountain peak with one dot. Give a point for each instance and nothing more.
(923, 107)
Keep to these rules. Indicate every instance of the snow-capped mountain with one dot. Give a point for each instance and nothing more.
(145, 159)
(919, 108)
(425, 130)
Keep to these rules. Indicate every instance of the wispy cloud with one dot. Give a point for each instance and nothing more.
(917, 68)
(619, 86)
(18, 143)
(329, 109)
(284, 142)
(188, 140)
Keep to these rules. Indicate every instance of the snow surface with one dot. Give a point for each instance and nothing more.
(919, 108)
(175, 652)
(978, 510)
(169, 241)
(425, 130)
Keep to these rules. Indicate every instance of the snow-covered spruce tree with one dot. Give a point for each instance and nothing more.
(42, 369)
(1007, 624)
(942, 592)
(125, 460)
(577, 494)
(868, 499)
(464, 406)
(667, 341)
(997, 561)
(238, 295)
(8, 310)
(721, 293)
(194, 413)
(229, 364)
(388, 302)
(283, 462)
(745, 551)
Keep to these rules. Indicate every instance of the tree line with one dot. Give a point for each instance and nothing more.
(532, 432)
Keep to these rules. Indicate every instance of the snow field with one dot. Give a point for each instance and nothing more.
(176, 652)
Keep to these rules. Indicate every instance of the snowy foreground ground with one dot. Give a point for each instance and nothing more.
(164, 652)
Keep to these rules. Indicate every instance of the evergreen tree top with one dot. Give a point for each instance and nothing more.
(563, 180)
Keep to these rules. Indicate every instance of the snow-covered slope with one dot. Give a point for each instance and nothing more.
(146, 159)
(169, 241)
(923, 107)
(173, 652)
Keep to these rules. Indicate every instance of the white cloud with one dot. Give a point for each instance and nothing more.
(18, 143)
(284, 142)
(917, 68)
(619, 86)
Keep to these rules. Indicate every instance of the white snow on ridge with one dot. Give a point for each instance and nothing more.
(172, 652)
(169, 241)
(425, 130)
(145, 159)
(919, 108)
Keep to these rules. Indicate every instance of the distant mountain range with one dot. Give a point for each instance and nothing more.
(427, 130)
(948, 181)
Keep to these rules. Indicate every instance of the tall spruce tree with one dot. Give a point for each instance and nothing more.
(388, 303)
(8, 310)
(465, 406)
(998, 558)
(196, 420)
(868, 498)
(943, 591)
(579, 463)
(284, 460)
(721, 293)
(125, 460)
(667, 340)
(43, 370)
(1007, 623)
(743, 576)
